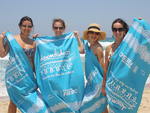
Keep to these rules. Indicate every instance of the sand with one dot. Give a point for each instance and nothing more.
(4, 101)
(144, 107)
(145, 104)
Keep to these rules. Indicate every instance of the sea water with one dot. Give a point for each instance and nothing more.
(3, 64)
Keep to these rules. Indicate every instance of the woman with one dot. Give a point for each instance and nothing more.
(119, 29)
(93, 35)
(124, 75)
(59, 26)
(60, 69)
(27, 44)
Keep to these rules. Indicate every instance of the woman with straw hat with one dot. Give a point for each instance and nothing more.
(93, 35)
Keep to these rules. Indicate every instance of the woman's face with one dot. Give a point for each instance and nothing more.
(26, 27)
(92, 36)
(58, 28)
(118, 31)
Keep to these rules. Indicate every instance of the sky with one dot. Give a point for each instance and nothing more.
(77, 14)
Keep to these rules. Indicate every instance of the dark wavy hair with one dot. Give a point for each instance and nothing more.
(122, 22)
(25, 18)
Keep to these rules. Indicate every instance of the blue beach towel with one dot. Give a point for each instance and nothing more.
(59, 73)
(94, 101)
(20, 81)
(129, 69)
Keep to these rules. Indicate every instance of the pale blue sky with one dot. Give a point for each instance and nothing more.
(78, 14)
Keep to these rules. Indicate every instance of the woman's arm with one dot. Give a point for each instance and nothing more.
(100, 57)
(3, 47)
(80, 44)
(12, 107)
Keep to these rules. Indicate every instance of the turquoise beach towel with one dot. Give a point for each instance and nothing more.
(59, 73)
(20, 82)
(129, 69)
(94, 101)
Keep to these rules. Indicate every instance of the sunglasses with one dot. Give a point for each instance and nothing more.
(60, 28)
(91, 32)
(118, 29)
(28, 26)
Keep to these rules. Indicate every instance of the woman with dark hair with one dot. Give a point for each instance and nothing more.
(125, 59)
(26, 43)
(119, 29)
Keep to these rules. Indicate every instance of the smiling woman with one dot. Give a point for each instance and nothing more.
(24, 41)
(58, 26)
(25, 47)
(119, 30)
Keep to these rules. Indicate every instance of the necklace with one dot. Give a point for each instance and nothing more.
(114, 46)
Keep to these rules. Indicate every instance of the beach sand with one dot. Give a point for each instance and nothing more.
(144, 107)
(4, 101)
(145, 104)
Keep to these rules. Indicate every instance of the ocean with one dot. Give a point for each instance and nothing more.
(4, 61)
(3, 64)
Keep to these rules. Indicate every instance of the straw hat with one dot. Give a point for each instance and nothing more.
(94, 28)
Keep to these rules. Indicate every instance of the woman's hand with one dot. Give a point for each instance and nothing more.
(76, 34)
(80, 44)
(3, 47)
(2, 36)
(35, 35)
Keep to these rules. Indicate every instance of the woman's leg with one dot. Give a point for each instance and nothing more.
(12, 107)
(106, 110)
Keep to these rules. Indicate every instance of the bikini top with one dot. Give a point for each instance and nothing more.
(30, 54)
(29, 51)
